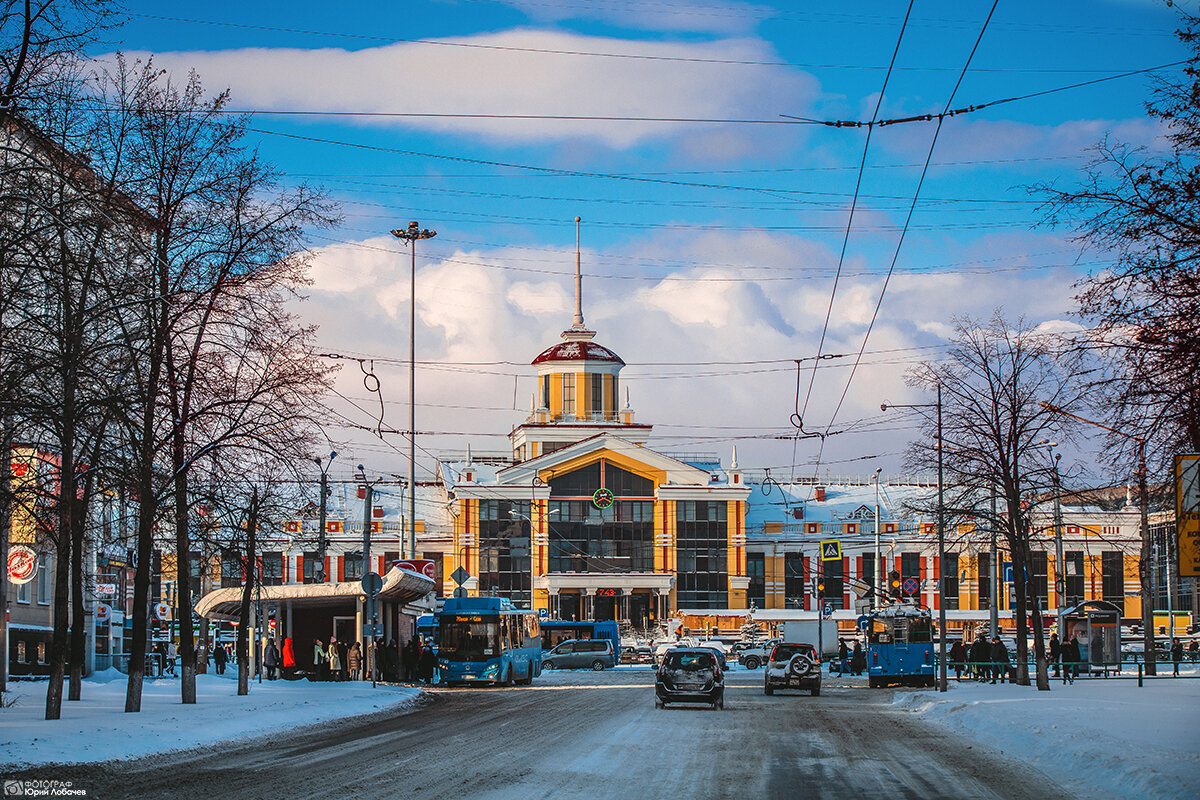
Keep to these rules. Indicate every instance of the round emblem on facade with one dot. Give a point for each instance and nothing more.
(22, 564)
(603, 498)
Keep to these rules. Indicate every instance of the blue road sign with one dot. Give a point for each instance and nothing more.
(911, 585)
(1008, 572)
(862, 622)
(543, 613)
(827, 610)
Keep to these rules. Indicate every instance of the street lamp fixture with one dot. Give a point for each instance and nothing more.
(411, 234)
(941, 534)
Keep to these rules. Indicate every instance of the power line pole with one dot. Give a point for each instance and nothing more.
(320, 568)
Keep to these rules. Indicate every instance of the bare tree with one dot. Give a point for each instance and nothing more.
(993, 380)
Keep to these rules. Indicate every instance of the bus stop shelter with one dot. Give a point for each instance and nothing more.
(1097, 626)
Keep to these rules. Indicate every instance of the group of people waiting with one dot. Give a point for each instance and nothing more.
(339, 661)
(982, 660)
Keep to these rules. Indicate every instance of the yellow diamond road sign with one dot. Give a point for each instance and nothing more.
(1187, 513)
(831, 550)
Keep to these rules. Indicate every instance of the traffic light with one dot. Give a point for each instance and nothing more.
(820, 588)
(894, 583)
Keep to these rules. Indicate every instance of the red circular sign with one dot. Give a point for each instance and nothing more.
(22, 564)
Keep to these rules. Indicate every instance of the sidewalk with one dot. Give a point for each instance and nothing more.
(1096, 737)
(97, 728)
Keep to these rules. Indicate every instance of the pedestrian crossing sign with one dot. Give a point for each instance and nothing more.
(831, 550)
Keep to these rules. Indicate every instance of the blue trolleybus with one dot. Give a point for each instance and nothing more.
(900, 646)
(487, 640)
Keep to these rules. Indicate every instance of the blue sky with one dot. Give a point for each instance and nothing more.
(709, 248)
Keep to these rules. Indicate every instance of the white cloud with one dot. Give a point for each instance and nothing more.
(495, 77)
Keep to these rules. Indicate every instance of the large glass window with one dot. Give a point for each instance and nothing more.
(832, 576)
(1038, 577)
(950, 589)
(702, 542)
(44, 579)
(313, 567)
(910, 567)
(793, 580)
(568, 393)
(756, 570)
(504, 562)
(985, 580)
(584, 538)
(623, 483)
(231, 570)
(352, 567)
(596, 395)
(1073, 567)
(582, 482)
(868, 570)
(614, 401)
(1112, 577)
(272, 569)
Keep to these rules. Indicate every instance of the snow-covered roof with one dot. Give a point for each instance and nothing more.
(842, 503)
(399, 585)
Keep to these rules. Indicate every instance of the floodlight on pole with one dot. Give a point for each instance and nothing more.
(411, 234)
(324, 466)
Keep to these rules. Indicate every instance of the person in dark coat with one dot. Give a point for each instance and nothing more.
(958, 658)
(271, 658)
(392, 651)
(843, 657)
(1070, 659)
(425, 665)
(999, 658)
(1177, 654)
(858, 660)
(979, 654)
(219, 658)
(408, 660)
(1194, 650)
(1055, 652)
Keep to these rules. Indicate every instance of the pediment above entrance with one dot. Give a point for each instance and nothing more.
(640, 460)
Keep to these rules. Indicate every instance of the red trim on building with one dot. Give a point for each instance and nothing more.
(299, 569)
(808, 576)
(845, 582)
(937, 593)
(327, 568)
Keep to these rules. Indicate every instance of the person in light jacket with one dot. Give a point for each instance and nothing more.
(335, 660)
(320, 660)
(354, 661)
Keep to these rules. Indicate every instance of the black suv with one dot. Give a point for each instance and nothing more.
(690, 675)
(793, 666)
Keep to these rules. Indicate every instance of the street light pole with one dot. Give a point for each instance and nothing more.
(320, 568)
(1060, 566)
(878, 565)
(411, 234)
(941, 533)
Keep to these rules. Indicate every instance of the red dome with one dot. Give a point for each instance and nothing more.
(578, 351)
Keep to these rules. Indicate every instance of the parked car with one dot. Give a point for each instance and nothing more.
(594, 654)
(757, 654)
(718, 653)
(690, 675)
(662, 648)
(793, 665)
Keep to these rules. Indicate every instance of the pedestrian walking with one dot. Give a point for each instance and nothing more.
(979, 654)
(408, 660)
(354, 661)
(342, 648)
(843, 657)
(289, 659)
(1055, 652)
(1177, 654)
(393, 661)
(271, 658)
(1000, 663)
(1194, 650)
(958, 657)
(219, 659)
(1070, 659)
(335, 660)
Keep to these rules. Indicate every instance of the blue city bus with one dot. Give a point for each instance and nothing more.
(555, 631)
(487, 640)
(900, 646)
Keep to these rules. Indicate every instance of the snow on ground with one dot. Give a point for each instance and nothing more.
(97, 728)
(1097, 737)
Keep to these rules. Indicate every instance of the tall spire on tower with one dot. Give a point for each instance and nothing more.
(578, 323)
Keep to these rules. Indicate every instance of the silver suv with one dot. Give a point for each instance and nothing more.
(756, 655)
(793, 666)
(594, 654)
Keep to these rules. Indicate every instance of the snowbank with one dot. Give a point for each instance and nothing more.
(97, 728)
(1096, 737)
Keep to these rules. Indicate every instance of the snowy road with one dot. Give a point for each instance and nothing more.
(593, 735)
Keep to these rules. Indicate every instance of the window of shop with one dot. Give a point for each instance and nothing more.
(352, 566)
(984, 561)
(504, 562)
(231, 570)
(832, 576)
(756, 570)
(702, 541)
(583, 538)
(950, 590)
(793, 580)
(1039, 577)
(44, 584)
(1073, 564)
(1112, 577)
